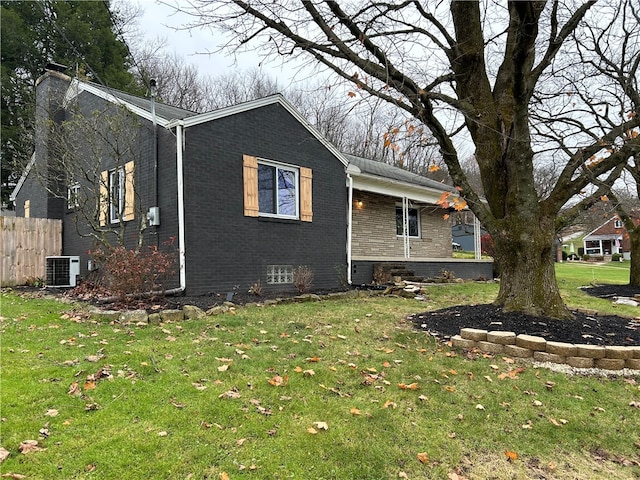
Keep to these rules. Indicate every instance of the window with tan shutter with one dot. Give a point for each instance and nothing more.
(117, 195)
(273, 189)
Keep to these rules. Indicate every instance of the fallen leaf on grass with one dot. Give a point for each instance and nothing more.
(411, 386)
(354, 411)
(479, 407)
(199, 386)
(74, 389)
(513, 374)
(308, 373)
(240, 441)
(15, 476)
(321, 425)
(4, 453)
(90, 385)
(423, 457)
(230, 394)
(391, 404)
(163, 433)
(634, 404)
(312, 431)
(224, 476)
(278, 381)
(224, 368)
(52, 412)
(313, 359)
(511, 456)
(29, 446)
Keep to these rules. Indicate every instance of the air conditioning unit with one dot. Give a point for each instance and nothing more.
(62, 271)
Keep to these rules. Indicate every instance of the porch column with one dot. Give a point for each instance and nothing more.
(477, 244)
(405, 227)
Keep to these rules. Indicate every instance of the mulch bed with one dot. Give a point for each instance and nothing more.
(583, 329)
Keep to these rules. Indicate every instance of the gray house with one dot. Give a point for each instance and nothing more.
(243, 194)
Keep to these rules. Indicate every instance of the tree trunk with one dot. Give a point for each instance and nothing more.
(634, 270)
(525, 253)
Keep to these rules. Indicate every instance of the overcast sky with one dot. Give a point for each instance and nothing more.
(196, 46)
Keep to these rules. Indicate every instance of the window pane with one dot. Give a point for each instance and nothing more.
(413, 225)
(266, 189)
(286, 192)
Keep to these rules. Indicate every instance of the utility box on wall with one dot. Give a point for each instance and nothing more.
(62, 271)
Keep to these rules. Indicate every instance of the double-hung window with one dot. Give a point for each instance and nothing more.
(116, 194)
(413, 222)
(73, 196)
(277, 190)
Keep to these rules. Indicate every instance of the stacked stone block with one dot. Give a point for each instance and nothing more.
(541, 350)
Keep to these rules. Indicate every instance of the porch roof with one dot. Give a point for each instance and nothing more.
(382, 178)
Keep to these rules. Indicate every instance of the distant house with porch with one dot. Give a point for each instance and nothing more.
(610, 238)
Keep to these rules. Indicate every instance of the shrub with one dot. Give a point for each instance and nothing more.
(302, 278)
(586, 257)
(129, 273)
(616, 257)
(256, 289)
(36, 282)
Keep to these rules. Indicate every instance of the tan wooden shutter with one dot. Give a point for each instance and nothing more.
(129, 191)
(103, 201)
(250, 180)
(306, 197)
(27, 208)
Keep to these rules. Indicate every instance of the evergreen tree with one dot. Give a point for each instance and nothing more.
(81, 35)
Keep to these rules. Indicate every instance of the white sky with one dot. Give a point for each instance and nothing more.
(162, 21)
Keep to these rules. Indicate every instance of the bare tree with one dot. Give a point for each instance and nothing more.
(91, 166)
(505, 79)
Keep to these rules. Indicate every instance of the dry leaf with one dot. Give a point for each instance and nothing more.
(230, 394)
(449, 388)
(89, 385)
(4, 453)
(278, 381)
(240, 441)
(511, 456)
(223, 368)
(391, 404)
(52, 412)
(355, 411)
(313, 359)
(312, 431)
(15, 476)
(411, 386)
(321, 425)
(224, 476)
(74, 389)
(423, 457)
(29, 446)
(163, 433)
(402, 475)
(479, 407)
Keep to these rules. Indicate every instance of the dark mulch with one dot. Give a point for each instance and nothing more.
(583, 329)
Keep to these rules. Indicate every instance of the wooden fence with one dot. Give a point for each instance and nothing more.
(25, 243)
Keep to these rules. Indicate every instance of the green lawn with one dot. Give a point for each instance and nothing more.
(341, 389)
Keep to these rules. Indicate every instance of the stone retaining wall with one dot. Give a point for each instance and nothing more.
(540, 350)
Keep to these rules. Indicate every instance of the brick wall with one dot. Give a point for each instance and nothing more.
(374, 230)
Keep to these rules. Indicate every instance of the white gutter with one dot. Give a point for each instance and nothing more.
(180, 178)
(349, 227)
(405, 227)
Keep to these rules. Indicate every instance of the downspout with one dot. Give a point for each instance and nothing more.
(349, 227)
(181, 228)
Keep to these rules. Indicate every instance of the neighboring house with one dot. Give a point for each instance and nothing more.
(609, 238)
(248, 192)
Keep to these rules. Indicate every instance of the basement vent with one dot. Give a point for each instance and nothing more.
(62, 271)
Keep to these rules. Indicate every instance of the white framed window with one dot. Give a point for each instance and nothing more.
(116, 194)
(277, 190)
(279, 274)
(617, 223)
(413, 222)
(73, 196)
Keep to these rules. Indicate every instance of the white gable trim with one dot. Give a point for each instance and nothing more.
(77, 87)
(253, 104)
